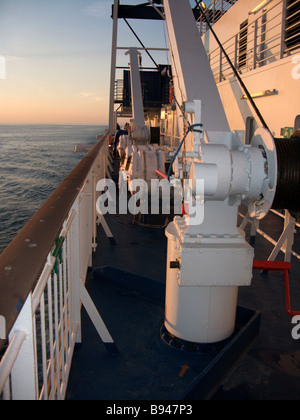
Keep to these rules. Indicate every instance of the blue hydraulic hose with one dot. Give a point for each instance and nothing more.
(190, 128)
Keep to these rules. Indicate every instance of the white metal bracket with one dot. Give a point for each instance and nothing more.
(97, 320)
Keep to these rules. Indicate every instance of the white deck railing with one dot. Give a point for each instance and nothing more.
(261, 42)
(37, 361)
(285, 242)
(214, 11)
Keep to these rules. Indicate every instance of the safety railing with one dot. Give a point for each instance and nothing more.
(169, 129)
(119, 86)
(285, 242)
(260, 42)
(170, 140)
(214, 11)
(42, 286)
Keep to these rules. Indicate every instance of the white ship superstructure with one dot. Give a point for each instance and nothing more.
(263, 42)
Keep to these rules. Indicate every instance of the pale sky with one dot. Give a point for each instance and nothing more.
(57, 55)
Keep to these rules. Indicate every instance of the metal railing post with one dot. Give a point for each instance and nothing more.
(284, 243)
(24, 375)
(236, 43)
(283, 29)
(94, 198)
(220, 65)
(74, 261)
(255, 45)
(214, 11)
(289, 226)
(113, 66)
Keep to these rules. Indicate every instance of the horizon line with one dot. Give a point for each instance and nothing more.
(103, 124)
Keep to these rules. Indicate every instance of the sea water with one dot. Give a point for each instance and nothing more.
(34, 160)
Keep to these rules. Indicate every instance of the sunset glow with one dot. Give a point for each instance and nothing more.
(57, 56)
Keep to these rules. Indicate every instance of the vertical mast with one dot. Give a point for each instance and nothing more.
(113, 65)
(140, 132)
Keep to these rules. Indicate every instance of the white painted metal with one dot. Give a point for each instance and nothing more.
(105, 226)
(264, 141)
(284, 243)
(9, 359)
(143, 49)
(49, 323)
(141, 162)
(139, 133)
(112, 128)
(193, 77)
(268, 64)
(208, 261)
(232, 169)
(202, 293)
(136, 88)
(94, 315)
(198, 314)
(125, 143)
(214, 254)
(214, 260)
(24, 371)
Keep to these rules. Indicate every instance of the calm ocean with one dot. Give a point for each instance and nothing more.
(34, 160)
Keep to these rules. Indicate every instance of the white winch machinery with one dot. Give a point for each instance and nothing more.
(208, 262)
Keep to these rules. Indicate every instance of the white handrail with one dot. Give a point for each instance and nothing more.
(284, 243)
(50, 324)
(264, 43)
(10, 357)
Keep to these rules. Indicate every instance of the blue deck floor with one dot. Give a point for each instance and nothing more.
(268, 370)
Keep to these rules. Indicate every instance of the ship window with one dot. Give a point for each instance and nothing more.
(243, 38)
(292, 28)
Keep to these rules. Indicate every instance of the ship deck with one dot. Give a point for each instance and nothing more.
(127, 284)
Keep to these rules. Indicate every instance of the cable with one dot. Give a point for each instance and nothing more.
(234, 69)
(134, 33)
(190, 128)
